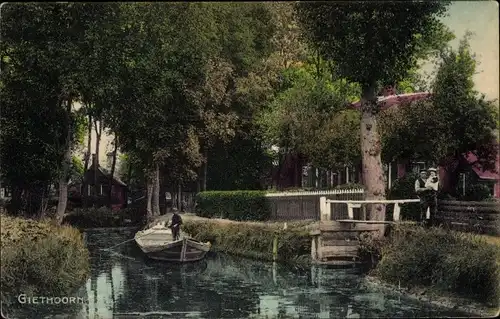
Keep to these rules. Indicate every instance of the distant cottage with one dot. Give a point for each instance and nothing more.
(94, 190)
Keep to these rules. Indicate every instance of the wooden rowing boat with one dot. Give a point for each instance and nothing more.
(157, 243)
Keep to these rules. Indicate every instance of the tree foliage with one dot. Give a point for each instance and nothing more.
(308, 117)
(374, 42)
(182, 84)
(40, 71)
(455, 121)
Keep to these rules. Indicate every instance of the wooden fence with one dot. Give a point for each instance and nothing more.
(479, 217)
(306, 205)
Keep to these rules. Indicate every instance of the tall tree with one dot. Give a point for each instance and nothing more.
(308, 117)
(455, 121)
(43, 42)
(374, 44)
(31, 149)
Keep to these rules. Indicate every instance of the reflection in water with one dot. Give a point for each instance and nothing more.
(124, 284)
(103, 291)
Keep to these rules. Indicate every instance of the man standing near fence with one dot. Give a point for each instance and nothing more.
(423, 194)
(432, 185)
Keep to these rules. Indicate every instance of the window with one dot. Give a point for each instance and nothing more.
(416, 167)
(7, 192)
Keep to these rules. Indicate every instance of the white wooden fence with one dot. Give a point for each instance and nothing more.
(318, 193)
(301, 205)
(326, 209)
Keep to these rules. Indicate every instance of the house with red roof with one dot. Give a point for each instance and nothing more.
(475, 174)
(291, 173)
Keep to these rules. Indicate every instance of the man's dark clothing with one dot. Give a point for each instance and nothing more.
(176, 226)
(428, 199)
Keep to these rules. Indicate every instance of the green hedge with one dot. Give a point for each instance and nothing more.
(449, 261)
(235, 205)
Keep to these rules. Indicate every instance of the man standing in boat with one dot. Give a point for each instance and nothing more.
(175, 225)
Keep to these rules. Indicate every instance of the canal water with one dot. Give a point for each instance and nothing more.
(124, 284)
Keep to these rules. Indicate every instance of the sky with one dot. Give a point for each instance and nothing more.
(480, 17)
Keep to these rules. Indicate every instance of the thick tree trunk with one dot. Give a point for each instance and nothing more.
(16, 200)
(372, 169)
(129, 172)
(63, 181)
(205, 171)
(112, 174)
(88, 155)
(179, 196)
(149, 182)
(36, 199)
(98, 131)
(98, 134)
(44, 201)
(156, 191)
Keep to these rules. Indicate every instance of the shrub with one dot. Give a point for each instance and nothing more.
(404, 188)
(477, 193)
(449, 261)
(104, 217)
(350, 186)
(41, 258)
(253, 240)
(235, 205)
(370, 248)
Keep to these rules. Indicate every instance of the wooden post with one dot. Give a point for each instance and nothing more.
(350, 211)
(397, 211)
(328, 210)
(275, 279)
(319, 251)
(322, 208)
(275, 247)
(314, 249)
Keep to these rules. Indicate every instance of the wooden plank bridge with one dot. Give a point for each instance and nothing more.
(336, 242)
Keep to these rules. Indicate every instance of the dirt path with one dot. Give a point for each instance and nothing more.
(189, 216)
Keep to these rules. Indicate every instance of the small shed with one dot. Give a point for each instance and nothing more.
(97, 187)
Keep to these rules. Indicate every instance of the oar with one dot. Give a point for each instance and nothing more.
(128, 240)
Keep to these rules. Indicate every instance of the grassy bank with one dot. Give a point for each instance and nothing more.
(253, 239)
(41, 258)
(437, 260)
